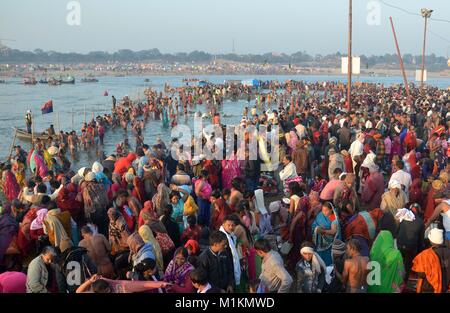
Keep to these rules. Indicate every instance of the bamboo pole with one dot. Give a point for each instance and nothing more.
(32, 131)
(405, 80)
(349, 79)
(57, 121)
(85, 113)
(12, 144)
(73, 128)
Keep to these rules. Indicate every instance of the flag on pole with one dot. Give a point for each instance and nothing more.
(47, 107)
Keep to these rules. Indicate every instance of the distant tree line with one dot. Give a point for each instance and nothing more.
(125, 55)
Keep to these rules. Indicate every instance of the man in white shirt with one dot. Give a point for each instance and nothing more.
(228, 226)
(403, 177)
(289, 170)
(357, 148)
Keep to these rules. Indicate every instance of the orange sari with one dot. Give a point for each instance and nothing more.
(427, 262)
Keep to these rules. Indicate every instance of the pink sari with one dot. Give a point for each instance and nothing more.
(11, 187)
(230, 170)
(40, 164)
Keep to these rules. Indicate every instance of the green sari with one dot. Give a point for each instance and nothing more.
(391, 266)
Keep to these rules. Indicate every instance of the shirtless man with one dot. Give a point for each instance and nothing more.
(72, 141)
(236, 195)
(98, 248)
(354, 277)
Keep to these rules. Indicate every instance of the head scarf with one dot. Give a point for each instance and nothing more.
(97, 167)
(38, 222)
(147, 236)
(162, 196)
(62, 240)
(194, 246)
(147, 213)
(135, 242)
(394, 184)
(405, 215)
(274, 207)
(391, 261)
(129, 178)
(369, 162)
(316, 262)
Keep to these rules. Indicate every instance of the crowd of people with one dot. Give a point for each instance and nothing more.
(358, 191)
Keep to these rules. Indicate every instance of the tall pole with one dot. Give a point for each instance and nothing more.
(85, 113)
(423, 52)
(57, 121)
(426, 13)
(73, 128)
(32, 131)
(405, 80)
(349, 71)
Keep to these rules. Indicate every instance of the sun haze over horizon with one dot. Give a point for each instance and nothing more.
(218, 26)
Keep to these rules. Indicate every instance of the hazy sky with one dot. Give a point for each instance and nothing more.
(257, 26)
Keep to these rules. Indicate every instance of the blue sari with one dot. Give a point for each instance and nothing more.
(324, 243)
(165, 117)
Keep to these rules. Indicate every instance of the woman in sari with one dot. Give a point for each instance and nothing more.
(10, 186)
(8, 230)
(325, 230)
(220, 208)
(177, 272)
(67, 201)
(178, 197)
(203, 192)
(118, 232)
(391, 264)
(315, 207)
(161, 198)
(298, 207)
(139, 189)
(230, 170)
(148, 236)
(58, 227)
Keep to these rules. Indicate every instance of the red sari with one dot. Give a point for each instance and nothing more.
(66, 201)
(218, 216)
(10, 187)
(213, 171)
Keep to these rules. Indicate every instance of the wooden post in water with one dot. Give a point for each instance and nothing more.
(32, 131)
(57, 122)
(85, 113)
(73, 128)
(12, 144)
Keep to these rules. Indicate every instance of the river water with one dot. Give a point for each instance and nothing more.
(16, 99)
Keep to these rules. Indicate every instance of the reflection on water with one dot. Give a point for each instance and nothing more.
(69, 102)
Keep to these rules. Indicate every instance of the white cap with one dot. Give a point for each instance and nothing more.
(394, 184)
(436, 236)
(274, 206)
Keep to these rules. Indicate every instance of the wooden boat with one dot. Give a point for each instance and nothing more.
(68, 80)
(89, 80)
(29, 81)
(54, 82)
(43, 81)
(24, 135)
(2, 81)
